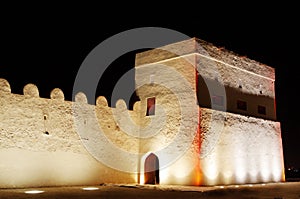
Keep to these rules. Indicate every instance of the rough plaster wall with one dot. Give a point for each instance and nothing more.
(166, 52)
(228, 156)
(234, 59)
(29, 157)
(107, 134)
(172, 130)
(23, 124)
(233, 77)
(237, 149)
(199, 46)
(255, 89)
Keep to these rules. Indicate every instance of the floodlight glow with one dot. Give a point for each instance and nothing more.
(183, 169)
(265, 173)
(90, 188)
(241, 171)
(276, 169)
(228, 175)
(163, 175)
(211, 169)
(33, 192)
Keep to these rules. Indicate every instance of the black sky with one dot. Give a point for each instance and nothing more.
(47, 46)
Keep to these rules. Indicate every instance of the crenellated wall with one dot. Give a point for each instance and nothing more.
(42, 140)
(188, 139)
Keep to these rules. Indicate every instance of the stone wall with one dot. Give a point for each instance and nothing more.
(52, 142)
(230, 146)
(237, 149)
(205, 49)
(218, 78)
(239, 77)
(172, 132)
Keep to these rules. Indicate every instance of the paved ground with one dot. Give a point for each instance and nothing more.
(287, 190)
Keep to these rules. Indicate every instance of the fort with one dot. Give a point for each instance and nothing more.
(206, 116)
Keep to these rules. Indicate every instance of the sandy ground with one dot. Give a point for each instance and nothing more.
(287, 190)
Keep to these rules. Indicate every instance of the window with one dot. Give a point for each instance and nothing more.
(150, 106)
(242, 105)
(261, 109)
(217, 100)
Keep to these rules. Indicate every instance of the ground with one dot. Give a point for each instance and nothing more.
(286, 190)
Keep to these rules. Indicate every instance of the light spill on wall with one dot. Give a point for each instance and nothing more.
(249, 150)
(185, 171)
(25, 168)
(177, 143)
(30, 157)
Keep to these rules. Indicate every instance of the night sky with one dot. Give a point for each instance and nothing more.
(47, 47)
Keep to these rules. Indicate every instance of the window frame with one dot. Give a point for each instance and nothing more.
(151, 101)
(263, 108)
(241, 105)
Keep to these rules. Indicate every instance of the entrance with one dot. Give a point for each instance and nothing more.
(151, 170)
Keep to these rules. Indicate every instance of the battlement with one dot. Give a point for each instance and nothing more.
(31, 91)
(206, 50)
(52, 141)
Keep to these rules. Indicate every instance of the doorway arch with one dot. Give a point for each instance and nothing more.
(151, 169)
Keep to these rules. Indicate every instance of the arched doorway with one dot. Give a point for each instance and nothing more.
(151, 169)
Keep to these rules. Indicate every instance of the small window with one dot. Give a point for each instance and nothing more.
(261, 109)
(242, 105)
(150, 106)
(218, 100)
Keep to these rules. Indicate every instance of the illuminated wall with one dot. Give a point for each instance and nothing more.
(231, 145)
(41, 140)
(238, 149)
(53, 142)
(171, 133)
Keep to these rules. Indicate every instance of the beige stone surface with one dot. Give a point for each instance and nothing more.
(174, 126)
(237, 149)
(54, 142)
(42, 141)
(206, 49)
